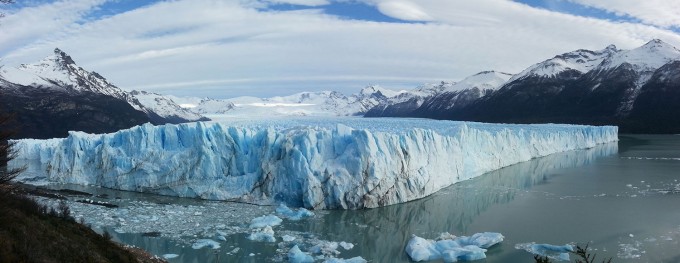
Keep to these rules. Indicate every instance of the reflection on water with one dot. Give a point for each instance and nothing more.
(379, 234)
(615, 196)
(385, 231)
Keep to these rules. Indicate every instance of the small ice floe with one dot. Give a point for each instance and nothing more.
(295, 255)
(326, 248)
(291, 214)
(451, 248)
(261, 222)
(630, 251)
(265, 234)
(201, 243)
(288, 238)
(340, 260)
(170, 256)
(346, 246)
(554, 252)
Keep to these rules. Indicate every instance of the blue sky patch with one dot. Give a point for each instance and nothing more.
(345, 10)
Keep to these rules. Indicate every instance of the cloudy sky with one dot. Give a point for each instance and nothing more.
(231, 48)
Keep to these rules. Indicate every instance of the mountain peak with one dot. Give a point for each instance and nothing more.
(648, 57)
(611, 47)
(492, 72)
(656, 45)
(485, 80)
(656, 41)
(63, 57)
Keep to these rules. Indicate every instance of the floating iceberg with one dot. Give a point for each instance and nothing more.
(265, 234)
(346, 245)
(295, 255)
(340, 260)
(341, 163)
(451, 248)
(264, 221)
(554, 252)
(294, 215)
(483, 240)
(201, 243)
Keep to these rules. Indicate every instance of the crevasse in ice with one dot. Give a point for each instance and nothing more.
(340, 163)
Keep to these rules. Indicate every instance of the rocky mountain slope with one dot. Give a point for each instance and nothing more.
(55, 95)
(638, 90)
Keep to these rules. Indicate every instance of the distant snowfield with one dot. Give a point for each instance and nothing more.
(318, 163)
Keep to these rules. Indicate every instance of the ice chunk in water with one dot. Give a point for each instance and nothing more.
(340, 260)
(263, 221)
(420, 249)
(286, 212)
(201, 243)
(295, 255)
(560, 253)
(346, 245)
(483, 240)
(451, 248)
(265, 234)
(326, 248)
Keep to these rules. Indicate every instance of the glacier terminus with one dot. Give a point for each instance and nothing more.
(334, 163)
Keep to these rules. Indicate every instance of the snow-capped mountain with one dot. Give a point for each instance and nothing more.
(59, 72)
(637, 89)
(580, 61)
(164, 107)
(443, 96)
(648, 57)
(58, 88)
(485, 81)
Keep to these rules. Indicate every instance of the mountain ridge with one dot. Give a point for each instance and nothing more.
(579, 87)
(56, 95)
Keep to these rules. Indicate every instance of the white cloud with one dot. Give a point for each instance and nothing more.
(228, 48)
(42, 23)
(404, 10)
(664, 13)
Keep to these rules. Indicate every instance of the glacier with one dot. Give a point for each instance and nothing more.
(335, 163)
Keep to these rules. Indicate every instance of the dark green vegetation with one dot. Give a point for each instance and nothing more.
(31, 232)
(44, 113)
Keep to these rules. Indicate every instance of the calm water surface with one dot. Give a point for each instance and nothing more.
(622, 198)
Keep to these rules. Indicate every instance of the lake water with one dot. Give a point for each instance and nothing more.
(622, 198)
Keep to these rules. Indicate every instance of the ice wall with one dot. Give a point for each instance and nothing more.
(321, 164)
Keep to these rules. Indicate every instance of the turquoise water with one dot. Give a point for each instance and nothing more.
(621, 198)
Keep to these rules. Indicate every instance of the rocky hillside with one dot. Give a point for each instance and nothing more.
(638, 90)
(54, 96)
